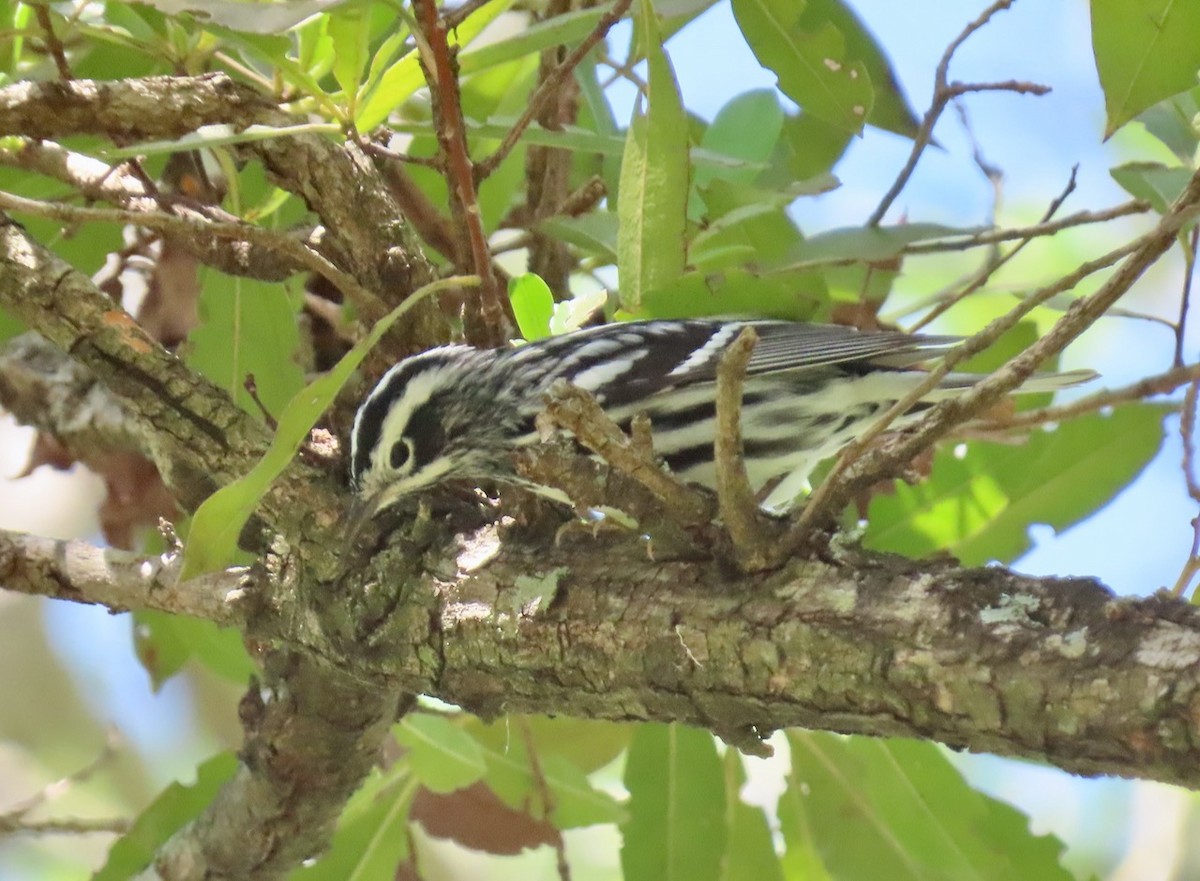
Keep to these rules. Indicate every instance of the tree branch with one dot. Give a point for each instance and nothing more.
(1057, 670)
(119, 580)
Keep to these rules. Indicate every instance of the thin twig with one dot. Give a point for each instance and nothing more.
(1162, 384)
(490, 326)
(943, 93)
(999, 258)
(53, 45)
(1139, 255)
(573, 409)
(365, 300)
(549, 85)
(546, 794)
(1185, 297)
(455, 17)
(831, 493)
(735, 496)
(65, 826)
(987, 237)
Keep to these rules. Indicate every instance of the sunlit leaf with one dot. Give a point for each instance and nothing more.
(890, 110)
(350, 30)
(256, 18)
(442, 755)
(979, 507)
(863, 802)
(872, 243)
(576, 803)
(809, 55)
(652, 204)
(594, 232)
(247, 328)
(1146, 50)
(177, 805)
(676, 829)
(371, 839)
(400, 80)
(748, 128)
(589, 744)
(532, 304)
(1158, 184)
(750, 855)
(164, 643)
(794, 295)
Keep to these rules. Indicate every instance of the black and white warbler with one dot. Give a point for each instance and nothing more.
(458, 412)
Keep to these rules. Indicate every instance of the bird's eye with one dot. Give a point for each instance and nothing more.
(400, 454)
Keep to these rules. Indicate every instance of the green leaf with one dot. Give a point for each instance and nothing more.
(594, 232)
(1146, 50)
(872, 244)
(442, 755)
(794, 295)
(1158, 184)
(511, 777)
(371, 839)
(809, 147)
(890, 110)
(980, 506)
(862, 803)
(1171, 121)
(652, 203)
(589, 744)
(247, 328)
(401, 80)
(809, 55)
(350, 30)
(751, 852)
(175, 806)
(9, 327)
(676, 829)
(212, 540)
(533, 305)
(164, 643)
(559, 30)
(748, 127)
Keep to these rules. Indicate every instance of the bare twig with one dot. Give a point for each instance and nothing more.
(1163, 383)
(1138, 256)
(16, 819)
(53, 44)
(735, 496)
(999, 259)
(1185, 297)
(545, 794)
(572, 408)
(455, 17)
(490, 327)
(188, 224)
(943, 93)
(549, 85)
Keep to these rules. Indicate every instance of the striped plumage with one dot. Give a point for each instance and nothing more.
(458, 412)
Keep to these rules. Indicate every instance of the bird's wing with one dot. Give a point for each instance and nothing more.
(787, 345)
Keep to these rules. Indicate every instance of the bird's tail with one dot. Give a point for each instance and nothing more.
(1041, 382)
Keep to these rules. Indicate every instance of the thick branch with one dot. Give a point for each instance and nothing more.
(1057, 670)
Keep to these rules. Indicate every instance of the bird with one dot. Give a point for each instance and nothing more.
(457, 412)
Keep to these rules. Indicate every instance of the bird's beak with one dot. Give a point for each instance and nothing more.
(359, 515)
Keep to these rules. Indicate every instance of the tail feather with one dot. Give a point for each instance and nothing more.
(1041, 382)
